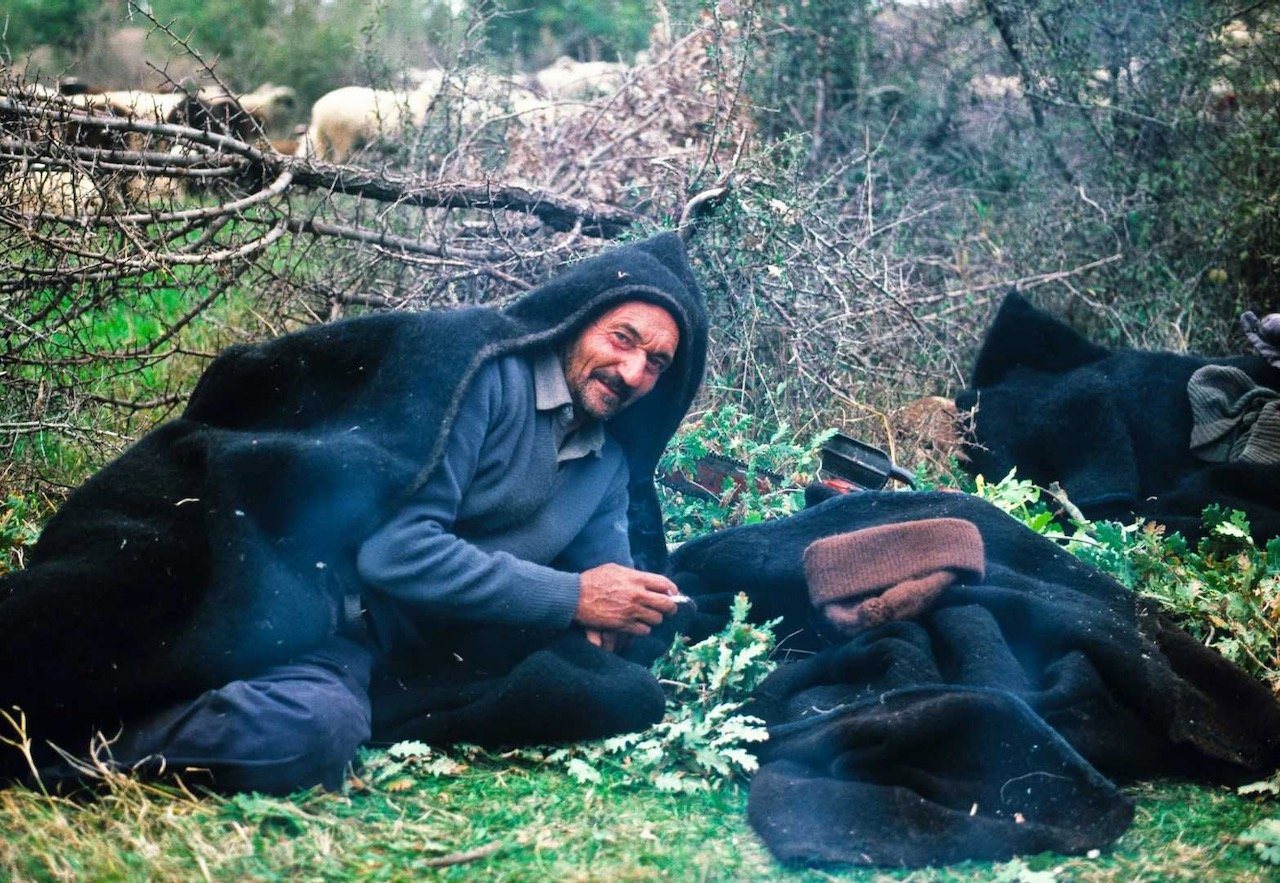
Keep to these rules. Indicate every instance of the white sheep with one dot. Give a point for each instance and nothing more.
(36, 188)
(353, 117)
(995, 87)
(566, 79)
(149, 107)
(269, 105)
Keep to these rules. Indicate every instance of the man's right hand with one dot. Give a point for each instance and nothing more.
(617, 598)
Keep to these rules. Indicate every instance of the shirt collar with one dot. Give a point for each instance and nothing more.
(551, 393)
(550, 389)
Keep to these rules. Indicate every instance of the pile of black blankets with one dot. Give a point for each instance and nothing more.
(1113, 427)
(991, 724)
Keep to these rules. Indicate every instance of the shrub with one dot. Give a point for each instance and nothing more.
(1224, 590)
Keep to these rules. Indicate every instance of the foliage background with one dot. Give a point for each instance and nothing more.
(893, 169)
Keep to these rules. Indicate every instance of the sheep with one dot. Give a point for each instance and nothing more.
(71, 191)
(47, 180)
(35, 188)
(148, 107)
(213, 110)
(353, 117)
(269, 105)
(208, 110)
(995, 87)
(566, 79)
(347, 119)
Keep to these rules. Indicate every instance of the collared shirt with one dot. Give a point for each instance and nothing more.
(551, 394)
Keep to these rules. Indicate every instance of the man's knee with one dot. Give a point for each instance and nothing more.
(308, 747)
(294, 726)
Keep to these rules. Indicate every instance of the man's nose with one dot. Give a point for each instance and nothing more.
(632, 369)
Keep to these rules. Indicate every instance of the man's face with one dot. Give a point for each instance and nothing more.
(619, 357)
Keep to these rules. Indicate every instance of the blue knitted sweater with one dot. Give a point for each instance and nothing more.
(501, 530)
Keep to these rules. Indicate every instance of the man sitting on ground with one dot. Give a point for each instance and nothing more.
(350, 512)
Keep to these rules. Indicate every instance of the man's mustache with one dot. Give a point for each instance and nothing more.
(614, 382)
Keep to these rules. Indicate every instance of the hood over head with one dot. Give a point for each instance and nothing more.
(656, 271)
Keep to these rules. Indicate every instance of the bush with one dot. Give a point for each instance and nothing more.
(1225, 590)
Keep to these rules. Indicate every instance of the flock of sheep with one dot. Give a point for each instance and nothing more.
(354, 117)
(342, 123)
(72, 164)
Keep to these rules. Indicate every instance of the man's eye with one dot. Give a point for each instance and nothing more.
(621, 338)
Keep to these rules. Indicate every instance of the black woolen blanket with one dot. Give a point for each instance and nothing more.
(225, 541)
(988, 726)
(1113, 427)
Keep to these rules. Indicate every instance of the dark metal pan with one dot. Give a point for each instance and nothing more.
(862, 464)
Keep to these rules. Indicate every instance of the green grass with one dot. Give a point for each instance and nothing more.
(534, 824)
(77, 352)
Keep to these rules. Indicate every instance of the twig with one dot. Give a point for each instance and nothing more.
(459, 858)
(1035, 280)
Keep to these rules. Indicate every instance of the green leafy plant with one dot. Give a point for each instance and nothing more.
(700, 744)
(399, 767)
(775, 468)
(1225, 590)
(1018, 871)
(20, 522)
(1265, 838)
(1024, 500)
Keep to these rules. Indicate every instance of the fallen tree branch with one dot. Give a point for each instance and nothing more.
(558, 212)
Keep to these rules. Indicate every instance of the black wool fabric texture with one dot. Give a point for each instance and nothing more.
(987, 726)
(1113, 427)
(502, 686)
(224, 541)
(505, 687)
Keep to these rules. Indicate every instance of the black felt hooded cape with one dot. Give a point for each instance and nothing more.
(224, 541)
(1112, 426)
(989, 725)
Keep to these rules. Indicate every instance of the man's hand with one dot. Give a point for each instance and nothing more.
(617, 598)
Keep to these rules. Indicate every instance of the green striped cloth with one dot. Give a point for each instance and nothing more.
(1234, 419)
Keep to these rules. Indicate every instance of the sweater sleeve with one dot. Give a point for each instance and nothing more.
(416, 560)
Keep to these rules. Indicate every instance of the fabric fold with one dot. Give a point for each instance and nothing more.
(1234, 418)
(995, 722)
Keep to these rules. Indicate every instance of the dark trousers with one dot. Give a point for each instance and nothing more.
(294, 726)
